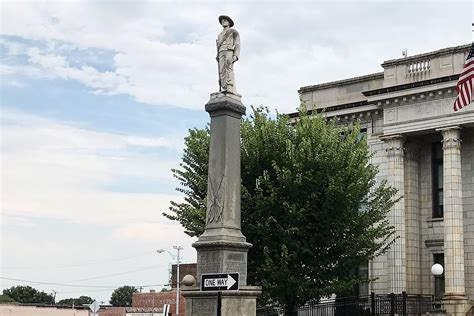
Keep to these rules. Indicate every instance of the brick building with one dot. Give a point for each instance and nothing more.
(184, 269)
(156, 301)
(425, 150)
(112, 311)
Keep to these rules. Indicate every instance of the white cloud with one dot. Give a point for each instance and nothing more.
(148, 142)
(59, 171)
(149, 232)
(57, 66)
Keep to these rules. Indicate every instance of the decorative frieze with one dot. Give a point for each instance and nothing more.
(416, 97)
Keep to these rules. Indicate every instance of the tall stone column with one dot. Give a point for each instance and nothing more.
(396, 177)
(222, 248)
(455, 292)
(413, 225)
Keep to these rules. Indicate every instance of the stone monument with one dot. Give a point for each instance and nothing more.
(222, 248)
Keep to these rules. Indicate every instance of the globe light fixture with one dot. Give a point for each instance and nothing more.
(437, 269)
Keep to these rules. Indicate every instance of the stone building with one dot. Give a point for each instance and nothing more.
(425, 150)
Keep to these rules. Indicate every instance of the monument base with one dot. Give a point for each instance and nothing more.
(242, 302)
(225, 101)
(456, 305)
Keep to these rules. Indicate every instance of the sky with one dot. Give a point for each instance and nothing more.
(97, 96)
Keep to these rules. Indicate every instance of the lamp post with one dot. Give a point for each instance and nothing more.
(178, 258)
(436, 271)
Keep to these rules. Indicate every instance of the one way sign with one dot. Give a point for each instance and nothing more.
(219, 282)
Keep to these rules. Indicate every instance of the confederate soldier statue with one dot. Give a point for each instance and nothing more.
(228, 49)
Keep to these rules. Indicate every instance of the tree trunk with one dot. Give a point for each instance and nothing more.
(290, 310)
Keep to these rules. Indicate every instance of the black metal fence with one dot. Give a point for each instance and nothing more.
(375, 304)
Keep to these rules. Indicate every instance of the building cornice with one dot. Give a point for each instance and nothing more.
(411, 85)
(332, 108)
(421, 94)
(378, 75)
(350, 112)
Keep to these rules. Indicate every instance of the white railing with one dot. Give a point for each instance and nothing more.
(419, 67)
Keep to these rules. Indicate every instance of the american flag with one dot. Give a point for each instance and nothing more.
(465, 84)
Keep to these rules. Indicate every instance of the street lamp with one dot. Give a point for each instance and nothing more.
(178, 249)
(437, 270)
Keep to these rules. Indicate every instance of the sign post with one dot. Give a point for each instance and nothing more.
(166, 309)
(94, 307)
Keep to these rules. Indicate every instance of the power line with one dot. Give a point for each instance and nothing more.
(86, 291)
(108, 289)
(59, 284)
(76, 285)
(83, 264)
(113, 274)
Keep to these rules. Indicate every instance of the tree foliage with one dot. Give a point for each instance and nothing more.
(6, 299)
(27, 294)
(81, 300)
(193, 177)
(310, 204)
(123, 296)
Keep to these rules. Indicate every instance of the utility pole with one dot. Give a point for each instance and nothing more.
(54, 297)
(178, 249)
(178, 260)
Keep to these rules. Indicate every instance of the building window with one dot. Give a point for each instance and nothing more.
(362, 135)
(362, 271)
(437, 179)
(439, 280)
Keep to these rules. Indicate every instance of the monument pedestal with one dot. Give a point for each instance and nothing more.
(222, 247)
(233, 303)
(222, 257)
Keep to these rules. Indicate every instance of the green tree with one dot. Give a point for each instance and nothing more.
(81, 300)
(27, 294)
(193, 177)
(310, 204)
(6, 299)
(123, 296)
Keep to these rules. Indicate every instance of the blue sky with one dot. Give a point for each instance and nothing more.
(97, 96)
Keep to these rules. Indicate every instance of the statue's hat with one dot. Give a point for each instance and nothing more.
(231, 23)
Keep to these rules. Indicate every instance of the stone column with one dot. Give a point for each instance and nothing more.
(455, 295)
(413, 225)
(222, 248)
(396, 177)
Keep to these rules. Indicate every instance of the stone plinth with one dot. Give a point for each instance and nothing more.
(222, 248)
